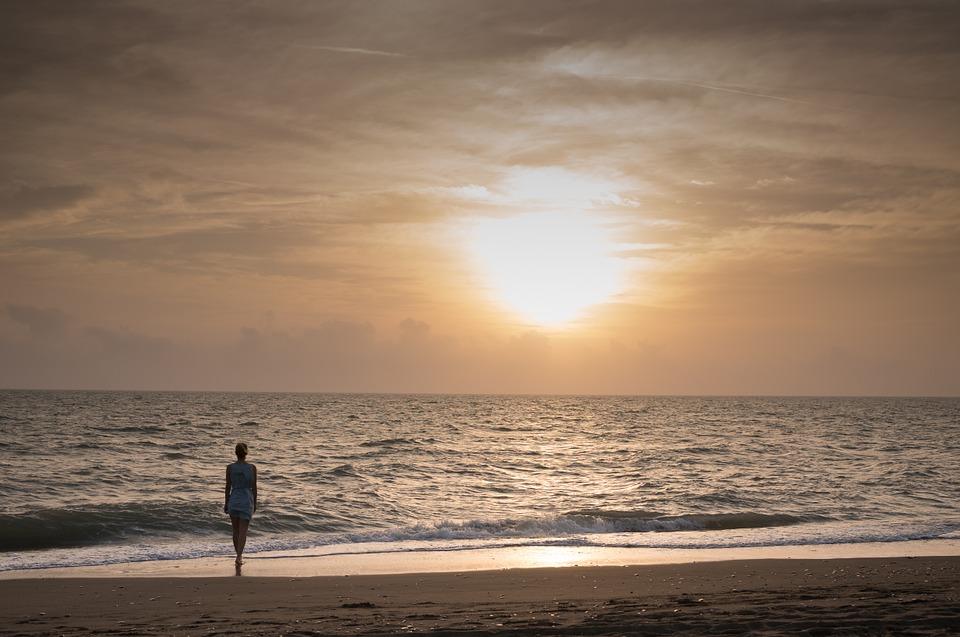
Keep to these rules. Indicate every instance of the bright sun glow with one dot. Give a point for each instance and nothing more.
(547, 267)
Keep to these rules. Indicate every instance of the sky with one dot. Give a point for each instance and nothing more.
(604, 197)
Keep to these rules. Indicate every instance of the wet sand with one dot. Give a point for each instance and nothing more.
(858, 596)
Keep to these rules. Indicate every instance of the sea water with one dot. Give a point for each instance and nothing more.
(111, 477)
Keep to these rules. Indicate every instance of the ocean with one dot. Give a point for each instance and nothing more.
(113, 477)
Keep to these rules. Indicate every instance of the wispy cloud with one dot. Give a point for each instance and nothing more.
(727, 88)
(350, 49)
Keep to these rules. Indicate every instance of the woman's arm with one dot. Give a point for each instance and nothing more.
(226, 491)
(254, 487)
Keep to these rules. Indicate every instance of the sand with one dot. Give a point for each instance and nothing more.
(872, 596)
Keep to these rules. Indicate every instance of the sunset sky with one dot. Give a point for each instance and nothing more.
(445, 196)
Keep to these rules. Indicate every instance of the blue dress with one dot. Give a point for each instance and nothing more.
(240, 504)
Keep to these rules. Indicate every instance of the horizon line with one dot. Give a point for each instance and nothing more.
(442, 393)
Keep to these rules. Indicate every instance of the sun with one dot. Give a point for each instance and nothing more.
(547, 267)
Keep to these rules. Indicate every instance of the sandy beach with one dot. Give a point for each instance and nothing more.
(872, 596)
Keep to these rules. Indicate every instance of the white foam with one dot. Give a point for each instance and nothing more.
(440, 538)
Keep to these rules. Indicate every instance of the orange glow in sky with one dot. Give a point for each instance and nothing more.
(471, 197)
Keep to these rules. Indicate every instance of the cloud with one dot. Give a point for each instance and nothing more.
(20, 201)
(41, 322)
(766, 182)
(340, 355)
(51, 46)
(347, 49)
(413, 330)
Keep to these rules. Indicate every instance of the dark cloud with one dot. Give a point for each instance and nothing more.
(127, 343)
(51, 45)
(21, 201)
(258, 240)
(414, 330)
(40, 321)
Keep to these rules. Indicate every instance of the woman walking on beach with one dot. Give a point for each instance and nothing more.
(240, 497)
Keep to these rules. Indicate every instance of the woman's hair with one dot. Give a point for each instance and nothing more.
(241, 450)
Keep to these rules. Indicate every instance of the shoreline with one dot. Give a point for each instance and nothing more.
(338, 560)
(853, 595)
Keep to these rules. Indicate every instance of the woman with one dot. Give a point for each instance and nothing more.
(240, 497)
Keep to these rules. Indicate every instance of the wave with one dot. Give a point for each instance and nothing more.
(180, 530)
(389, 442)
(404, 540)
(583, 522)
(344, 470)
(142, 429)
(103, 524)
(447, 538)
(640, 521)
(117, 524)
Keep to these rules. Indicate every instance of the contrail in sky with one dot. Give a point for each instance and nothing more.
(348, 49)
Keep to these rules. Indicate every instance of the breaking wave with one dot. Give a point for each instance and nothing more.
(106, 524)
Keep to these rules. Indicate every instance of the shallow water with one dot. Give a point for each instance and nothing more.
(98, 477)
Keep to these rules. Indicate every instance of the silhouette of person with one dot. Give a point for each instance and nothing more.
(240, 498)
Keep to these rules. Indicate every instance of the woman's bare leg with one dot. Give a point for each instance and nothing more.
(235, 522)
(242, 536)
